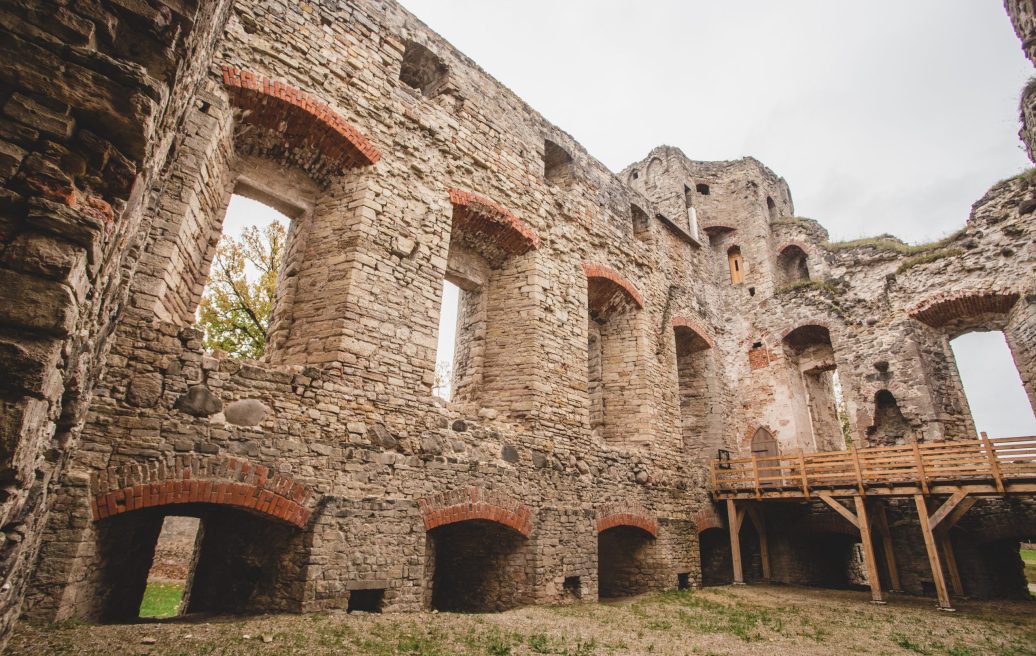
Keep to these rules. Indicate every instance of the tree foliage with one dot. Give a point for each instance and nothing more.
(237, 303)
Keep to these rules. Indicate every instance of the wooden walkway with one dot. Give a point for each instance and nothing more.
(961, 471)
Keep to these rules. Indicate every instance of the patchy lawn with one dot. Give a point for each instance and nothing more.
(754, 620)
(1029, 558)
(161, 600)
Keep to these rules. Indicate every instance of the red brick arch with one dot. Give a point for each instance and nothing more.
(603, 272)
(940, 310)
(483, 217)
(626, 514)
(299, 117)
(706, 519)
(687, 322)
(806, 248)
(217, 480)
(466, 504)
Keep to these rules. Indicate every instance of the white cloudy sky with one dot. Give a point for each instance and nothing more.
(883, 116)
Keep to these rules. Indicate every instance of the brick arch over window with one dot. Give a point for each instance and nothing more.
(941, 310)
(307, 124)
(695, 326)
(484, 219)
(599, 273)
(194, 479)
(707, 518)
(626, 514)
(475, 503)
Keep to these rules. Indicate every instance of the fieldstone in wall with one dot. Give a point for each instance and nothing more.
(144, 390)
(199, 401)
(246, 412)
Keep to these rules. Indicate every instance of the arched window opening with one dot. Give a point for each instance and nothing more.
(992, 385)
(736, 264)
(815, 389)
(771, 208)
(641, 223)
(238, 304)
(698, 382)
(446, 346)
(478, 566)
(558, 166)
(702, 188)
(792, 265)
(890, 427)
(616, 388)
(655, 169)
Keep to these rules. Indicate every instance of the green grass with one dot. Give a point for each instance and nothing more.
(1029, 558)
(161, 600)
(925, 258)
(892, 244)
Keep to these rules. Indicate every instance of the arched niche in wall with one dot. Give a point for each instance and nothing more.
(771, 209)
(792, 265)
(641, 223)
(616, 386)
(655, 169)
(698, 383)
(889, 427)
(810, 356)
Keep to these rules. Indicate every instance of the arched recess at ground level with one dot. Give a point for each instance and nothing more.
(986, 546)
(478, 565)
(627, 561)
(714, 552)
(243, 561)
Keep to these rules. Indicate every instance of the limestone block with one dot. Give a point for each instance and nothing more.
(37, 304)
(246, 412)
(199, 401)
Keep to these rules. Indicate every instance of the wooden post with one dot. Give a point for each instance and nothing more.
(890, 554)
(877, 596)
(933, 554)
(920, 469)
(951, 562)
(802, 471)
(764, 547)
(994, 463)
(734, 523)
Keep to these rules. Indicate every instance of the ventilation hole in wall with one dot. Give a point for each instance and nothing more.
(422, 69)
(204, 107)
(366, 601)
(751, 291)
(573, 586)
(558, 167)
(702, 189)
(756, 345)
(683, 580)
(636, 174)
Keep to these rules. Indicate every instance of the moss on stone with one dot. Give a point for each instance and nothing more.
(925, 258)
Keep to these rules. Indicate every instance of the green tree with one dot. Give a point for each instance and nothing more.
(237, 303)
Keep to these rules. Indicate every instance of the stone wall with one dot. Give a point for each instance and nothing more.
(605, 353)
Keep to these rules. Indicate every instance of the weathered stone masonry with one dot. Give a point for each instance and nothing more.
(616, 331)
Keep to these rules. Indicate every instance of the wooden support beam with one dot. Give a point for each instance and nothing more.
(734, 519)
(881, 522)
(943, 538)
(946, 508)
(802, 472)
(994, 463)
(962, 508)
(919, 463)
(756, 515)
(842, 510)
(933, 554)
(877, 596)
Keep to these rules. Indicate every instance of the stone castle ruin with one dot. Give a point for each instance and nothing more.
(617, 332)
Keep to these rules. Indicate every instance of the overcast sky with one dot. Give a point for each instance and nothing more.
(883, 116)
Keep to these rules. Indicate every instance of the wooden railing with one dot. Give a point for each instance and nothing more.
(1000, 465)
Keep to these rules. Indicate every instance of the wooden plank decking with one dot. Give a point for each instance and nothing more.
(979, 467)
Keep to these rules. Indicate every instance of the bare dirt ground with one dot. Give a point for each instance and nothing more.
(754, 620)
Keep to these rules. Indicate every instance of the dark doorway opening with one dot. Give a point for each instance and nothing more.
(623, 562)
(479, 566)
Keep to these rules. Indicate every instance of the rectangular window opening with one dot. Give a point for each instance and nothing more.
(449, 316)
(683, 580)
(366, 601)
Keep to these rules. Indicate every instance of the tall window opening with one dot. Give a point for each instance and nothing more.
(992, 385)
(792, 265)
(641, 223)
(771, 208)
(736, 264)
(697, 380)
(558, 166)
(692, 213)
(814, 388)
(171, 568)
(238, 301)
(449, 317)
